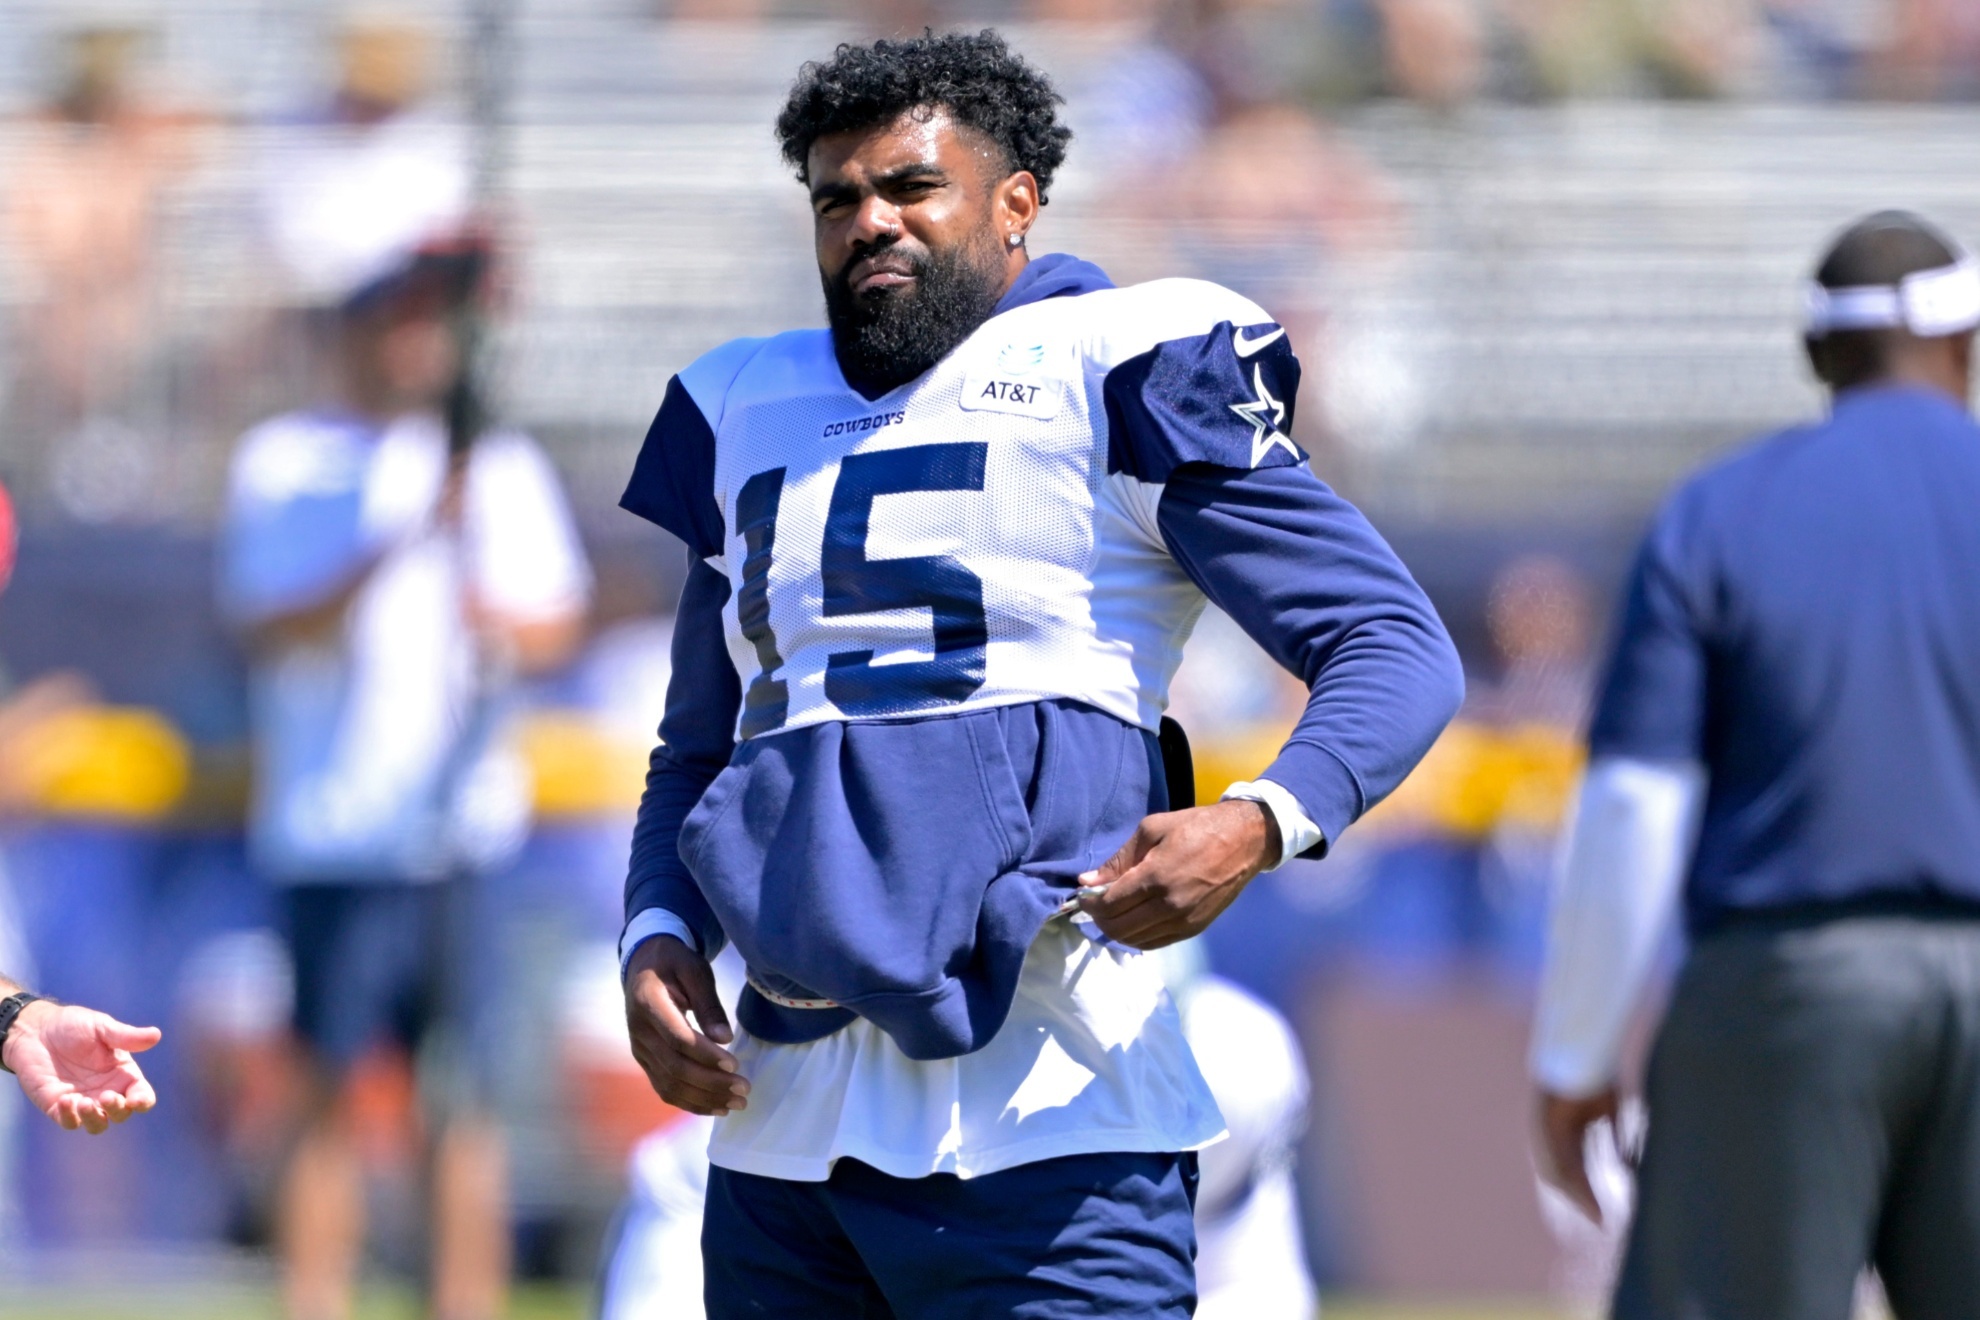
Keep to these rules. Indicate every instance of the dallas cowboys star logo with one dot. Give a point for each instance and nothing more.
(1266, 415)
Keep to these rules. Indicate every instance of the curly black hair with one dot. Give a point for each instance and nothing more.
(977, 79)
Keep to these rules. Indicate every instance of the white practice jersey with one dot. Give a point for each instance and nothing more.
(982, 535)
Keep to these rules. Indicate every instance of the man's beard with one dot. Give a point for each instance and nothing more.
(887, 337)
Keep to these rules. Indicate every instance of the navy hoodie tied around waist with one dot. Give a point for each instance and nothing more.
(903, 867)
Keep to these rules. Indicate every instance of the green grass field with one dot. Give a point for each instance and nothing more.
(533, 1302)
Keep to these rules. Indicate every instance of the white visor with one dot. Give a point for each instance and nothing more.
(1930, 304)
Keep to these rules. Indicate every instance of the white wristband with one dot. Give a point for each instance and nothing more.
(1297, 833)
(648, 923)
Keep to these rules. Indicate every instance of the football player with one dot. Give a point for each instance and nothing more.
(944, 556)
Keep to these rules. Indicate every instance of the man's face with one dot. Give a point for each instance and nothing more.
(912, 221)
(408, 354)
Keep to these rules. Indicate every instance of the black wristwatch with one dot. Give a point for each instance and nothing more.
(10, 1009)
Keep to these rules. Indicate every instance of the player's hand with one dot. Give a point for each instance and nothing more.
(1563, 1148)
(75, 1064)
(665, 981)
(1180, 871)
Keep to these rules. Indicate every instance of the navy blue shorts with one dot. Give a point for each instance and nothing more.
(375, 965)
(1085, 1235)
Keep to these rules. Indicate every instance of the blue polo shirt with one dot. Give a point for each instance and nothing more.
(1804, 620)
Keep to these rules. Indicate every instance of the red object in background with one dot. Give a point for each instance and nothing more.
(612, 1106)
(380, 1098)
(9, 536)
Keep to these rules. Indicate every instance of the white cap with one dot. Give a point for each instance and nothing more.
(349, 207)
(1929, 303)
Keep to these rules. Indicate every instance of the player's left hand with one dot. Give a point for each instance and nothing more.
(1180, 871)
(76, 1067)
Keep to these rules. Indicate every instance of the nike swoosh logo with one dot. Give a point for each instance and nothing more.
(1246, 347)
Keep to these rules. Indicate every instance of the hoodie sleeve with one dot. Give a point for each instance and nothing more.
(1204, 423)
(1301, 571)
(673, 485)
(696, 738)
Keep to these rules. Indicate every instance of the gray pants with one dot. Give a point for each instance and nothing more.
(1814, 1107)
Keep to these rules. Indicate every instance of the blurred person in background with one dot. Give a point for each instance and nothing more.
(1444, 53)
(390, 593)
(1823, 47)
(82, 218)
(1539, 615)
(74, 1063)
(1434, 51)
(1789, 737)
(1581, 48)
(392, 581)
(1930, 50)
(374, 171)
(1220, 88)
(1250, 1251)
(1218, 167)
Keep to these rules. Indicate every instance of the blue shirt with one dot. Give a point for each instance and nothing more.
(1804, 620)
(374, 754)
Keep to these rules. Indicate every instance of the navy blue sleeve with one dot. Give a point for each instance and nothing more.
(1225, 397)
(697, 735)
(1652, 701)
(673, 480)
(1301, 571)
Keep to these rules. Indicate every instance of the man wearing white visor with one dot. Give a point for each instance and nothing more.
(1787, 746)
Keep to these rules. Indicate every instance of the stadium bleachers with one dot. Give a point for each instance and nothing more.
(1575, 303)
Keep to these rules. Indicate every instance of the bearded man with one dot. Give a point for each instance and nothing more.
(943, 561)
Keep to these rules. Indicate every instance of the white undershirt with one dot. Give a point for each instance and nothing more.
(1092, 1058)
(1617, 893)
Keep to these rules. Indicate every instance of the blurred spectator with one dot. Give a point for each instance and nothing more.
(392, 584)
(1504, 771)
(1196, 64)
(1444, 52)
(714, 11)
(355, 187)
(1928, 51)
(82, 216)
(1568, 48)
(383, 591)
(1250, 1261)
(652, 1266)
(1539, 612)
(1527, 725)
(235, 999)
(1085, 11)
(74, 1064)
(1217, 168)
(1434, 50)
(1820, 45)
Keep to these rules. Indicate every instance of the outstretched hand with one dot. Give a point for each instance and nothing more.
(689, 1069)
(1179, 872)
(76, 1067)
